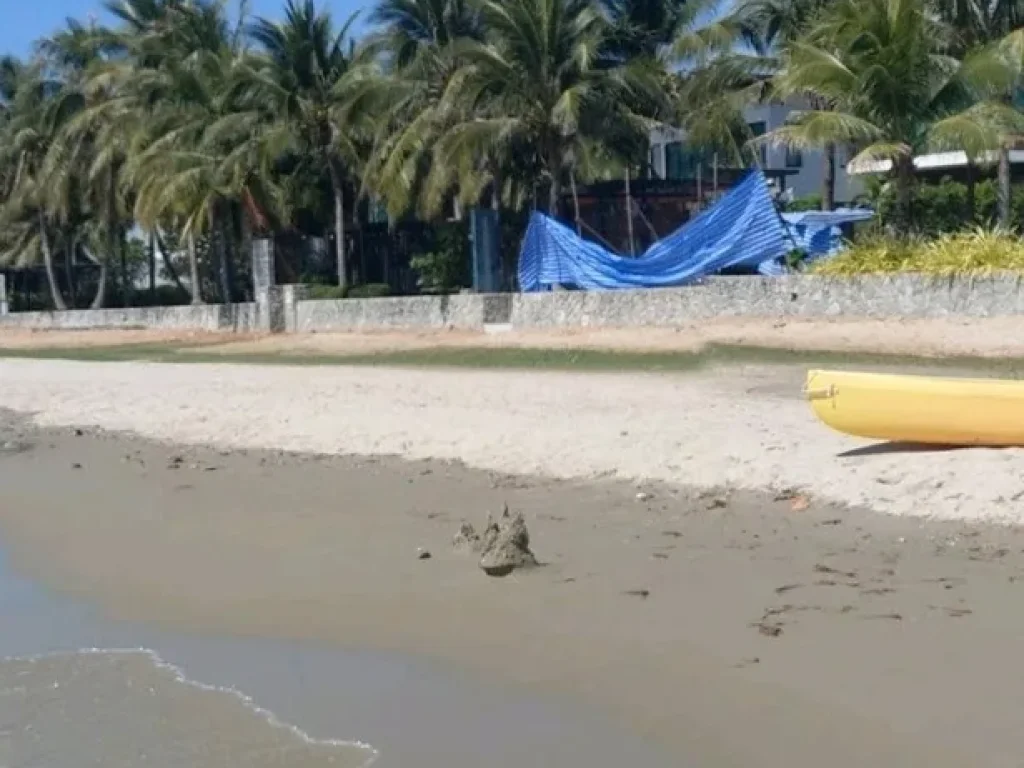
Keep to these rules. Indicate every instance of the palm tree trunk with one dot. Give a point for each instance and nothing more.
(970, 203)
(217, 234)
(245, 234)
(168, 265)
(69, 269)
(555, 190)
(904, 193)
(338, 190)
(100, 298)
(575, 203)
(629, 214)
(51, 276)
(1004, 190)
(122, 258)
(828, 180)
(230, 230)
(193, 270)
(152, 265)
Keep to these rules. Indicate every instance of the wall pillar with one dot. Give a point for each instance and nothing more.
(3, 295)
(270, 314)
(292, 295)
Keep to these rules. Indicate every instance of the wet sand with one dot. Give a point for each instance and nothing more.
(722, 628)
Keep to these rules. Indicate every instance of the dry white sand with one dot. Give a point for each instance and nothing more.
(745, 427)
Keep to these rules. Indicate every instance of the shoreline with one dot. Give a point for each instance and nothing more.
(324, 548)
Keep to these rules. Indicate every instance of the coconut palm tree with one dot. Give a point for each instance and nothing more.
(303, 82)
(885, 67)
(415, 44)
(36, 108)
(769, 26)
(539, 82)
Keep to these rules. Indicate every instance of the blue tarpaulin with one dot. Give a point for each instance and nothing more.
(742, 229)
(818, 233)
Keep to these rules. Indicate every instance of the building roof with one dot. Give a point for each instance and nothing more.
(934, 161)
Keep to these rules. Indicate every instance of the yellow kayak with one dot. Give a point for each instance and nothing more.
(919, 409)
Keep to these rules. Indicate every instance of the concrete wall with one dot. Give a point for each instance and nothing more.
(464, 311)
(793, 296)
(209, 317)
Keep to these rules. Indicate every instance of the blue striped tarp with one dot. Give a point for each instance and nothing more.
(819, 233)
(742, 229)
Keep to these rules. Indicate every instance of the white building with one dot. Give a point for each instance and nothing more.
(803, 172)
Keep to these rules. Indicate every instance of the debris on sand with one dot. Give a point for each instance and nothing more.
(503, 546)
(467, 540)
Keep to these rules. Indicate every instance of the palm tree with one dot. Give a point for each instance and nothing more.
(415, 46)
(769, 26)
(303, 82)
(884, 66)
(197, 157)
(540, 84)
(85, 159)
(34, 114)
(978, 24)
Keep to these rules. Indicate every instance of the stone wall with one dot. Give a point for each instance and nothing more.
(287, 308)
(463, 311)
(209, 317)
(791, 296)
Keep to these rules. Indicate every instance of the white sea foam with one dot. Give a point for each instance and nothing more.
(180, 677)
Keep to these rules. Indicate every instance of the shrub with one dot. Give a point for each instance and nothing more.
(439, 272)
(321, 291)
(941, 208)
(975, 252)
(164, 296)
(445, 268)
(805, 203)
(368, 291)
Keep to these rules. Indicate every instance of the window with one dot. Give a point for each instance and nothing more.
(794, 158)
(760, 128)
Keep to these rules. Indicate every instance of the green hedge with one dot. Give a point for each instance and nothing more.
(942, 207)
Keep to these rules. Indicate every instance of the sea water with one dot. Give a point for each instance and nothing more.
(78, 690)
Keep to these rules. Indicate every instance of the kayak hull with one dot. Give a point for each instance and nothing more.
(919, 409)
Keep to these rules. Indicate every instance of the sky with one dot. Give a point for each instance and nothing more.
(24, 21)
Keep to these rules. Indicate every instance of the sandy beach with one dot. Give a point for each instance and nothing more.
(740, 426)
(985, 337)
(721, 576)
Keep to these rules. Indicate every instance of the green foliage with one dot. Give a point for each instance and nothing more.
(805, 203)
(164, 296)
(975, 252)
(944, 207)
(367, 291)
(321, 291)
(445, 269)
